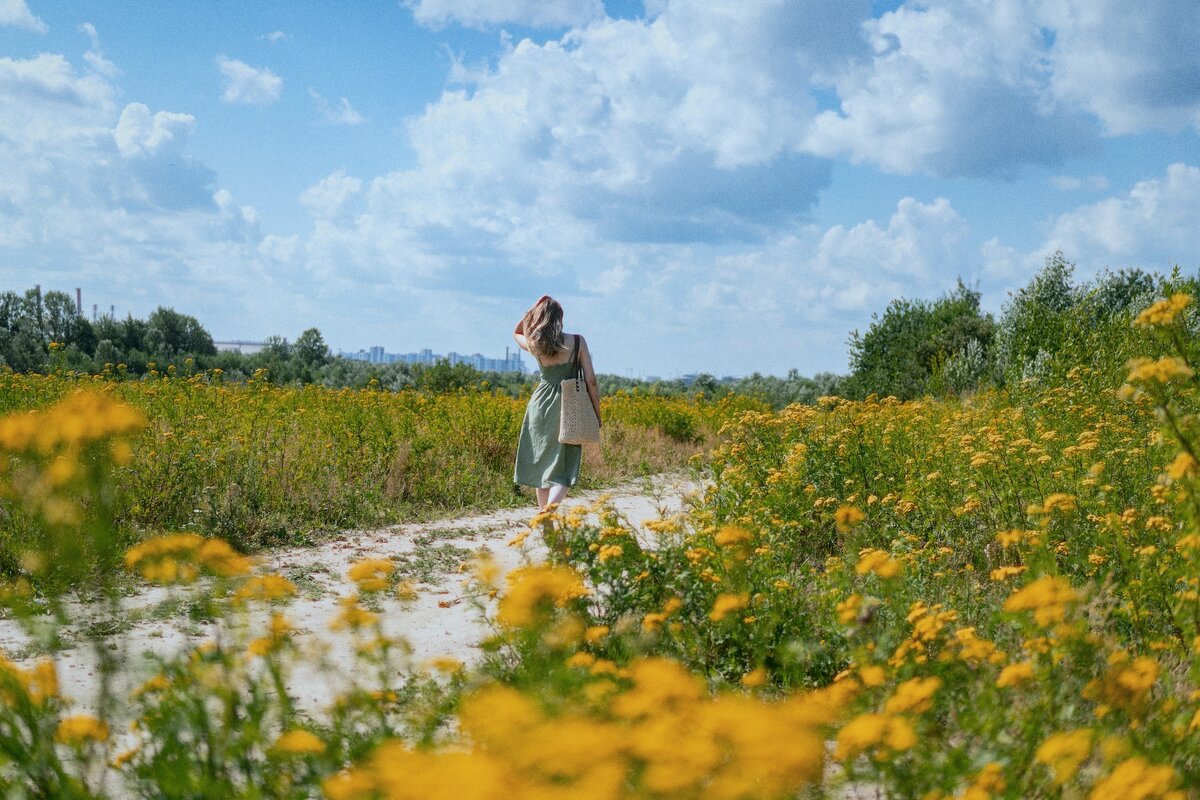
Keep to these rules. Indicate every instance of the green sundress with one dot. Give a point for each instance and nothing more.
(543, 461)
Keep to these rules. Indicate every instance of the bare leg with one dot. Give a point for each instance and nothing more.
(542, 494)
(557, 494)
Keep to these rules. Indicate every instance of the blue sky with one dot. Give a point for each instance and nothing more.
(706, 186)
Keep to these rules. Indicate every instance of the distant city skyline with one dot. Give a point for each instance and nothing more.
(512, 361)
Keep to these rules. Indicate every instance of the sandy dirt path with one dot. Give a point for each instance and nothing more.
(153, 623)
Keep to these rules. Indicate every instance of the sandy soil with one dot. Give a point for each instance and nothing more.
(440, 622)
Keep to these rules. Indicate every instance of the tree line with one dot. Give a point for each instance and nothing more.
(913, 348)
(1046, 328)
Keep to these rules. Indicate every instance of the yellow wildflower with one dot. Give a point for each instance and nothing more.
(1184, 466)
(1138, 779)
(877, 561)
(266, 588)
(299, 742)
(869, 731)
(595, 633)
(847, 517)
(1064, 753)
(914, 695)
(80, 729)
(1015, 673)
(1049, 598)
(726, 603)
(732, 535)
(355, 784)
(1126, 684)
(1004, 573)
(532, 586)
(754, 678)
(988, 783)
(371, 574)
(353, 616)
(1164, 370)
(1163, 312)
(609, 551)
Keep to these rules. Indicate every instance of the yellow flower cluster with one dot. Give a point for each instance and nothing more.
(353, 616)
(1163, 370)
(299, 742)
(371, 574)
(80, 730)
(267, 588)
(1064, 752)
(38, 684)
(1125, 685)
(666, 737)
(1163, 312)
(913, 696)
(884, 734)
(725, 604)
(1136, 778)
(1049, 598)
(847, 517)
(76, 421)
(731, 535)
(878, 562)
(532, 588)
(179, 558)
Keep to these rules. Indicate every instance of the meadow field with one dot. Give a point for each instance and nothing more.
(263, 465)
(992, 595)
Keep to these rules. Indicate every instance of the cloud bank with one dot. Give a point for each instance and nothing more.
(662, 175)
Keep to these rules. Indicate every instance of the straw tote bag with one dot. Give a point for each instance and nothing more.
(577, 423)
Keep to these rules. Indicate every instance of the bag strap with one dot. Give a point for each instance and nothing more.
(578, 368)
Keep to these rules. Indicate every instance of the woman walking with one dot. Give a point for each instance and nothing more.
(544, 463)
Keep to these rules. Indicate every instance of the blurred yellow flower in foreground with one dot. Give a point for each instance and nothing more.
(371, 574)
(532, 586)
(1064, 752)
(299, 742)
(81, 729)
(873, 731)
(1163, 312)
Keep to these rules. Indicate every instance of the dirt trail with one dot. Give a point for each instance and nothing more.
(440, 622)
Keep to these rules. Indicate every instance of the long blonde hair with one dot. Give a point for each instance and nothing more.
(543, 328)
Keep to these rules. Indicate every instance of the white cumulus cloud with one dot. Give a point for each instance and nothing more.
(247, 85)
(340, 113)
(140, 133)
(16, 13)
(951, 87)
(1153, 226)
(328, 197)
(485, 13)
(1136, 66)
(103, 196)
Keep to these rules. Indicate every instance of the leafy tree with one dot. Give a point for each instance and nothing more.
(906, 347)
(310, 349)
(170, 333)
(1033, 323)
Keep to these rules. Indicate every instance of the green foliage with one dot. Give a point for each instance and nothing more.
(1053, 325)
(903, 351)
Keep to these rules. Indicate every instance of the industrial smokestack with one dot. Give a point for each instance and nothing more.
(78, 301)
(112, 312)
(93, 312)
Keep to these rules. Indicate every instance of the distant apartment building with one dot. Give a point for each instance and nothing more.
(376, 355)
